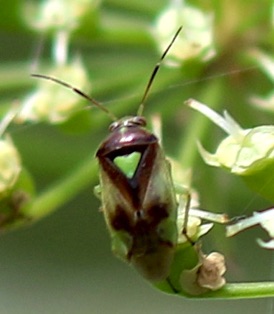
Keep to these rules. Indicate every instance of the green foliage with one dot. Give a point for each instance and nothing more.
(117, 44)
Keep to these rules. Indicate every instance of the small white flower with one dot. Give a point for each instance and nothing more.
(243, 151)
(51, 102)
(196, 38)
(10, 166)
(10, 162)
(264, 218)
(195, 228)
(56, 14)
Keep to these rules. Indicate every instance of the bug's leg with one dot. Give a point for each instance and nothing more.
(175, 291)
(186, 214)
(184, 210)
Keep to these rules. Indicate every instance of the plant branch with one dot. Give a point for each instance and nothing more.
(62, 191)
(246, 290)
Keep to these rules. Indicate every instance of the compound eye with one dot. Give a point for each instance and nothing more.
(114, 126)
(139, 120)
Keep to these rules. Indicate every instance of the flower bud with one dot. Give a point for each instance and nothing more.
(10, 166)
(248, 153)
(211, 271)
(51, 102)
(56, 14)
(196, 39)
(206, 275)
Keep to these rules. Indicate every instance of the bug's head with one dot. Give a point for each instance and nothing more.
(128, 122)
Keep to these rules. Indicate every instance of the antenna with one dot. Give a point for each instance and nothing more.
(79, 92)
(154, 72)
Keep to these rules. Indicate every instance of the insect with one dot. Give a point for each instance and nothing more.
(136, 190)
(146, 223)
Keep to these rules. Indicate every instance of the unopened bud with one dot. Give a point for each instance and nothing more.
(51, 102)
(10, 166)
(196, 38)
(56, 14)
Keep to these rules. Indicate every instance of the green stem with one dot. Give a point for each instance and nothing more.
(121, 35)
(246, 290)
(62, 191)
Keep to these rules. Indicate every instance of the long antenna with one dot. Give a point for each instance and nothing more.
(79, 92)
(154, 72)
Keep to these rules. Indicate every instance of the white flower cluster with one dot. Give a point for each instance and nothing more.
(196, 40)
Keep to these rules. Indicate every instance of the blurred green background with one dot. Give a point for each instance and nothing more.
(63, 263)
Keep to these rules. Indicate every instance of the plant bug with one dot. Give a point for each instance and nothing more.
(136, 189)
